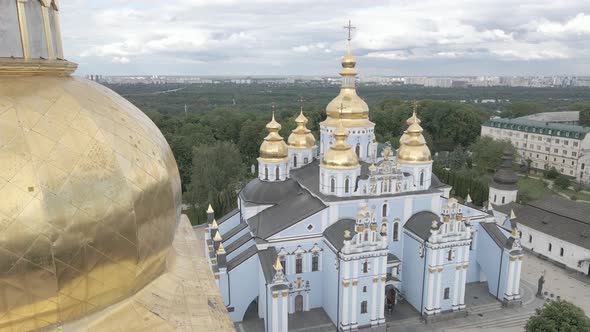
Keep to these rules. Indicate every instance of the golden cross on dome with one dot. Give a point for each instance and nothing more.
(349, 27)
(415, 105)
(301, 100)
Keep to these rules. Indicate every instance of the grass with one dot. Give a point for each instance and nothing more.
(579, 195)
(532, 189)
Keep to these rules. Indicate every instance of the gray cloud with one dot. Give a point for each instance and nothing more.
(241, 37)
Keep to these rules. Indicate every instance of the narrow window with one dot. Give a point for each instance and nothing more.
(395, 231)
(284, 263)
(561, 252)
(315, 260)
(450, 256)
(332, 185)
(364, 289)
(305, 160)
(295, 161)
(494, 198)
(530, 239)
(277, 173)
(503, 199)
(364, 307)
(422, 178)
(299, 265)
(265, 172)
(447, 292)
(366, 267)
(550, 246)
(384, 210)
(346, 185)
(358, 150)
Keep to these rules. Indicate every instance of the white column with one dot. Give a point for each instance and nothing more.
(306, 303)
(516, 286)
(275, 313)
(430, 294)
(345, 290)
(510, 277)
(354, 289)
(463, 285)
(381, 289)
(285, 315)
(438, 281)
(374, 298)
(458, 270)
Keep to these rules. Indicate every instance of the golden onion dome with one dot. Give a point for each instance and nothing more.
(340, 154)
(348, 106)
(301, 137)
(91, 196)
(273, 148)
(413, 148)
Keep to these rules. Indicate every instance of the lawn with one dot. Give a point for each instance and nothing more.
(532, 189)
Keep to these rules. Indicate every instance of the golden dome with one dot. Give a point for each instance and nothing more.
(340, 154)
(273, 148)
(91, 196)
(413, 148)
(301, 137)
(348, 106)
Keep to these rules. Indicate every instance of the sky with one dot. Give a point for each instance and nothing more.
(306, 37)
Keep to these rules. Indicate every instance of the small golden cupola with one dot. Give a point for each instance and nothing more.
(273, 148)
(340, 155)
(301, 137)
(413, 148)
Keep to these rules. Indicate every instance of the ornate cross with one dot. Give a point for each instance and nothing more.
(349, 27)
(301, 100)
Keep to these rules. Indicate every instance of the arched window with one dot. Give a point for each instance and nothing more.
(266, 172)
(494, 198)
(384, 210)
(368, 149)
(332, 185)
(422, 178)
(550, 246)
(561, 252)
(366, 267)
(503, 199)
(396, 231)
(364, 307)
(295, 161)
(277, 173)
(357, 150)
(346, 185)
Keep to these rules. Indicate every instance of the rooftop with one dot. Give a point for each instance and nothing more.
(540, 127)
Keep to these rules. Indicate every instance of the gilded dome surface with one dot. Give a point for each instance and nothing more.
(340, 154)
(273, 148)
(348, 106)
(413, 148)
(90, 199)
(301, 137)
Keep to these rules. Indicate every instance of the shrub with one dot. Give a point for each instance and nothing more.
(562, 182)
(552, 173)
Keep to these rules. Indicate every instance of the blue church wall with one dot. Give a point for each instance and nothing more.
(230, 223)
(330, 284)
(246, 273)
(489, 256)
(413, 273)
(474, 270)
(364, 319)
(300, 229)
(447, 281)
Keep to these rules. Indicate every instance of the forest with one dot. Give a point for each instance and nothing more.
(215, 130)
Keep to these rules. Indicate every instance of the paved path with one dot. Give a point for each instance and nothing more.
(569, 285)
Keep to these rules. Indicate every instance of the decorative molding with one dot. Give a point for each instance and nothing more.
(355, 282)
(440, 269)
(345, 283)
(513, 258)
(375, 280)
(27, 67)
(383, 279)
(24, 32)
(285, 294)
(520, 258)
(275, 295)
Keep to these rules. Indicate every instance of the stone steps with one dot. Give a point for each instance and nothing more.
(497, 322)
(480, 309)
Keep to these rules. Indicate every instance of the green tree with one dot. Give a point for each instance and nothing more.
(518, 109)
(487, 153)
(552, 173)
(558, 316)
(457, 158)
(562, 182)
(217, 170)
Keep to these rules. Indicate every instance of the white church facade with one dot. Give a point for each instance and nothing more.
(349, 231)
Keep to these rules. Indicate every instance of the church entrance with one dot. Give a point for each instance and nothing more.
(389, 299)
(299, 303)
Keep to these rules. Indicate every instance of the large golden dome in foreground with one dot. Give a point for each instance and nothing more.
(90, 199)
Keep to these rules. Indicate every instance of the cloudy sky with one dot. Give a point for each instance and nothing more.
(306, 37)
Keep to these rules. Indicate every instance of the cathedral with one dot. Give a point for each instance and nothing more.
(353, 228)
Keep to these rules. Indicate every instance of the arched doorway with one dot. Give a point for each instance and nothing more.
(389, 299)
(299, 303)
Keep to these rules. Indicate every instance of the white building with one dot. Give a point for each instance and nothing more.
(546, 144)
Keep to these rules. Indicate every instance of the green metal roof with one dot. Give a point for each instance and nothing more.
(540, 127)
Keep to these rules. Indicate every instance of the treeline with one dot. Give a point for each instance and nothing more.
(464, 183)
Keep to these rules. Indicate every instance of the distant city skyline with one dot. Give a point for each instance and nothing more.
(263, 37)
